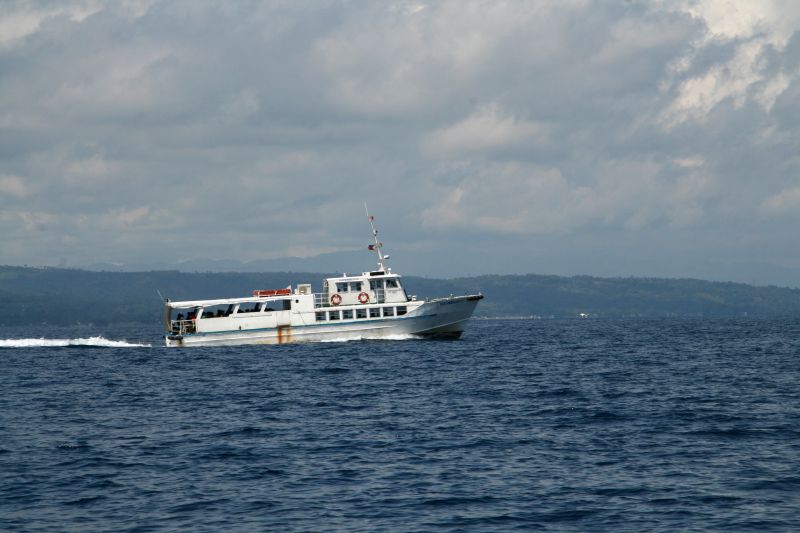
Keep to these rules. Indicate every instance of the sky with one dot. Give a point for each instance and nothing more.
(611, 138)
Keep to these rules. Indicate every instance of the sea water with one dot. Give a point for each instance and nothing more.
(572, 425)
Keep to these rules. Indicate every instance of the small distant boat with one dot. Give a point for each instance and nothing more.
(372, 305)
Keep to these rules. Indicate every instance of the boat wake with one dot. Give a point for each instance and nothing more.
(58, 343)
(398, 337)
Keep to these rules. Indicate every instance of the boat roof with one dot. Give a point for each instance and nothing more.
(377, 273)
(222, 301)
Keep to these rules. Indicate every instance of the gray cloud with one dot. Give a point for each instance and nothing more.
(595, 137)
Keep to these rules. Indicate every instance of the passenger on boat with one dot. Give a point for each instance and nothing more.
(179, 317)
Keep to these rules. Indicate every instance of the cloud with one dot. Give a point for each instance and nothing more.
(187, 129)
(38, 222)
(725, 19)
(28, 17)
(753, 31)
(128, 217)
(631, 194)
(13, 186)
(488, 128)
(784, 203)
(91, 171)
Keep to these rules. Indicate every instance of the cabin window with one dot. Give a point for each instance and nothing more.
(361, 313)
(341, 287)
(391, 284)
(375, 284)
(320, 316)
(375, 312)
(333, 315)
(401, 310)
(215, 311)
(249, 307)
(347, 314)
(355, 286)
(388, 311)
(278, 305)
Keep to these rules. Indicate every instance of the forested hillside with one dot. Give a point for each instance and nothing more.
(66, 296)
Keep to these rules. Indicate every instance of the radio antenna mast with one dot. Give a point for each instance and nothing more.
(378, 245)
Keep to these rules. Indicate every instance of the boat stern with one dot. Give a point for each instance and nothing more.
(171, 341)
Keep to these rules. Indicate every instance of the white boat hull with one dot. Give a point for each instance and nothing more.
(443, 317)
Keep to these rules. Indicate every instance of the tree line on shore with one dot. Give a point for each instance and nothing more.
(69, 296)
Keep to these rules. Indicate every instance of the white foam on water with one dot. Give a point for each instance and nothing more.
(397, 337)
(56, 343)
(341, 339)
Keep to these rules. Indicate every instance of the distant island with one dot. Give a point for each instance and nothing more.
(65, 296)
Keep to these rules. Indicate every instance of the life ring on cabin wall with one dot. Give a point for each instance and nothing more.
(336, 299)
(363, 297)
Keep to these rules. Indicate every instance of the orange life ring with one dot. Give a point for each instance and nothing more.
(363, 297)
(336, 299)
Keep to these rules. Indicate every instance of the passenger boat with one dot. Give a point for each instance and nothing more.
(372, 305)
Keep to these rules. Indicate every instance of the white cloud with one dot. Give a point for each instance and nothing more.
(416, 58)
(690, 162)
(13, 186)
(753, 30)
(785, 202)
(23, 19)
(240, 106)
(738, 79)
(529, 199)
(91, 171)
(120, 80)
(129, 217)
(486, 129)
(731, 19)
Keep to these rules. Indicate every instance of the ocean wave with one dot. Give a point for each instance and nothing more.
(58, 343)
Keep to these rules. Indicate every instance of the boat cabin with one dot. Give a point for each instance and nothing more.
(370, 287)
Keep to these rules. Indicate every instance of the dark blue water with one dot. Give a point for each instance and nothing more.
(575, 425)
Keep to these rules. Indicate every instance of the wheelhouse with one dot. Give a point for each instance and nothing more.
(368, 288)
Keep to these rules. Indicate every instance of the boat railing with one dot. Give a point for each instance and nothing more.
(182, 327)
(321, 299)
